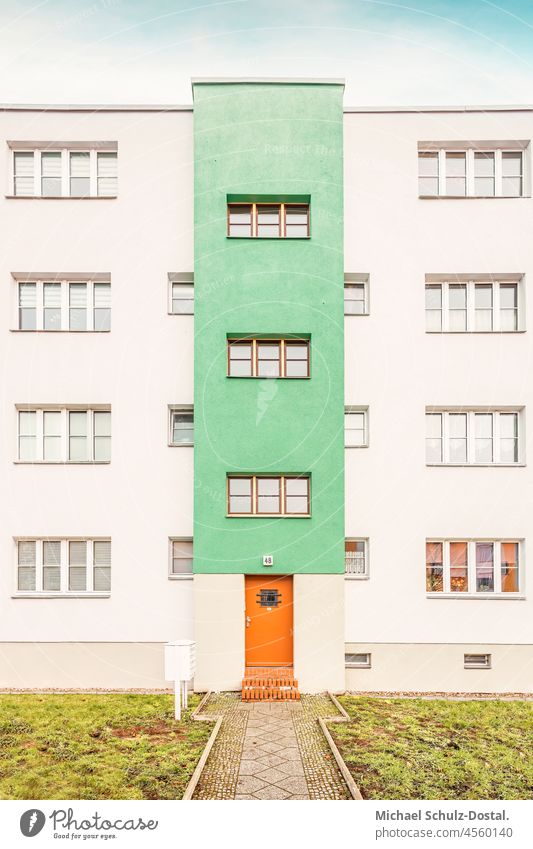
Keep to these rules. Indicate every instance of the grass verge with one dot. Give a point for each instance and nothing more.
(85, 746)
(422, 749)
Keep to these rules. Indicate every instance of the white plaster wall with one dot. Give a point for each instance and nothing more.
(219, 630)
(144, 364)
(397, 369)
(319, 632)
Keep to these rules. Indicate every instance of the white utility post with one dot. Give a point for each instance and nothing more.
(180, 666)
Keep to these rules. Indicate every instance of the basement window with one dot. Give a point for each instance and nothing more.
(358, 661)
(477, 661)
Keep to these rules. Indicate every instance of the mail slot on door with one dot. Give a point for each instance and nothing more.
(180, 660)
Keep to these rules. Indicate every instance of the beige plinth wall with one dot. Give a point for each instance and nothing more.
(319, 633)
(82, 665)
(219, 631)
(433, 667)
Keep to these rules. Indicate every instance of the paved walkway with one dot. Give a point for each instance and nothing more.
(270, 750)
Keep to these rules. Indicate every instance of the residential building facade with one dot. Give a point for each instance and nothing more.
(265, 386)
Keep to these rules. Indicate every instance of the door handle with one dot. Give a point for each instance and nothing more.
(248, 621)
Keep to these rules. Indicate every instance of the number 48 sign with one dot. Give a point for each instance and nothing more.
(268, 560)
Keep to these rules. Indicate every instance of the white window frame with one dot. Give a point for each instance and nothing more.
(470, 285)
(356, 576)
(471, 413)
(179, 279)
(40, 410)
(471, 554)
(179, 408)
(64, 591)
(177, 576)
(92, 148)
(352, 664)
(355, 279)
(350, 410)
(470, 150)
(64, 282)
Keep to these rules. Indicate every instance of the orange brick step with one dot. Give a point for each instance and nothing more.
(269, 684)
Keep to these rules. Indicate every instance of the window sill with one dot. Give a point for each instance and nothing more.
(357, 577)
(60, 197)
(473, 197)
(56, 332)
(357, 666)
(269, 238)
(180, 313)
(265, 377)
(356, 314)
(476, 465)
(479, 596)
(60, 595)
(475, 332)
(356, 446)
(180, 577)
(181, 444)
(61, 462)
(268, 516)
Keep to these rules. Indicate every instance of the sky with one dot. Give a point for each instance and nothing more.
(417, 52)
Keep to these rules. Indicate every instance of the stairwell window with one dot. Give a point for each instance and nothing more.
(181, 558)
(470, 169)
(181, 294)
(473, 567)
(63, 567)
(61, 435)
(356, 558)
(286, 358)
(268, 495)
(355, 427)
(63, 305)
(181, 426)
(473, 437)
(75, 170)
(268, 220)
(358, 660)
(482, 305)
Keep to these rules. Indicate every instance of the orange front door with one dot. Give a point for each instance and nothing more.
(268, 620)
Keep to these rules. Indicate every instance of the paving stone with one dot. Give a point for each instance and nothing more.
(271, 775)
(249, 784)
(249, 767)
(294, 784)
(270, 760)
(272, 792)
(270, 750)
(291, 767)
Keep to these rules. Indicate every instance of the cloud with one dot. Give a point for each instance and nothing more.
(132, 52)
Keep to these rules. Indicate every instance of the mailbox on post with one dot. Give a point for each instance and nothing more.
(180, 666)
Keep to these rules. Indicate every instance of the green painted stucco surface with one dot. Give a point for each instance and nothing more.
(278, 141)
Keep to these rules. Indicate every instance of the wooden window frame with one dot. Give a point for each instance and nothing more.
(283, 206)
(472, 592)
(64, 591)
(93, 149)
(282, 495)
(282, 358)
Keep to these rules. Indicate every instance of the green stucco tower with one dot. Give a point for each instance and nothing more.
(267, 155)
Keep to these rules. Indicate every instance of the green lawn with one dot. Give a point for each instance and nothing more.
(419, 749)
(78, 746)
